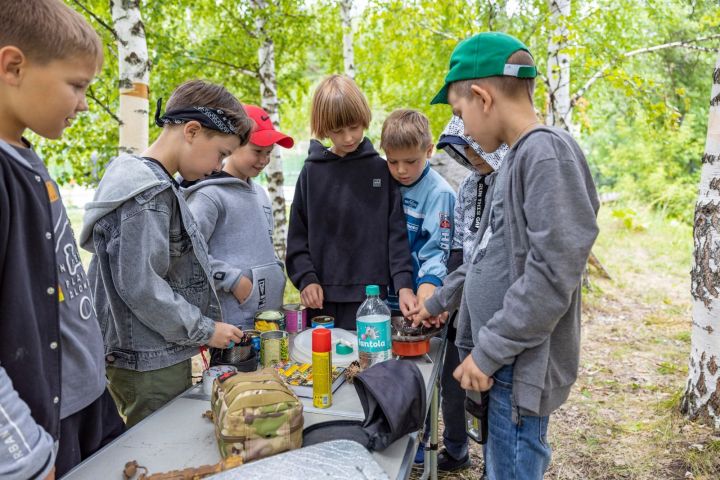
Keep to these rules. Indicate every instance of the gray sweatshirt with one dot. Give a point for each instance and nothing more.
(235, 217)
(549, 225)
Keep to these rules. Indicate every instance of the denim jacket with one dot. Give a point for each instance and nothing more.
(150, 272)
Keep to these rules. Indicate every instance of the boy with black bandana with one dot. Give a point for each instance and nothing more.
(150, 271)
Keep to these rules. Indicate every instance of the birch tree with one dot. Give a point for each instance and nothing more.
(134, 75)
(702, 395)
(348, 54)
(269, 102)
(559, 109)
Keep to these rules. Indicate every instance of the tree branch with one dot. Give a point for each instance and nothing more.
(238, 68)
(600, 73)
(98, 19)
(91, 94)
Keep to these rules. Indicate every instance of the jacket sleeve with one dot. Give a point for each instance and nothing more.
(300, 268)
(139, 273)
(561, 229)
(28, 451)
(438, 228)
(401, 270)
(206, 212)
(447, 297)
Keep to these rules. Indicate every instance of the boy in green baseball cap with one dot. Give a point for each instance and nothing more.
(520, 310)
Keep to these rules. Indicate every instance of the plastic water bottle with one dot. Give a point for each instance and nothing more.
(373, 329)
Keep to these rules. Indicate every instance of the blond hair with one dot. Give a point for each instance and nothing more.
(338, 103)
(512, 87)
(47, 30)
(405, 128)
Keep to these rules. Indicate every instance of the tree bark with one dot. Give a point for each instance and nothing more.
(348, 53)
(134, 75)
(702, 394)
(269, 102)
(559, 109)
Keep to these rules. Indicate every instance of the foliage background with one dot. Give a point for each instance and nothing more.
(642, 124)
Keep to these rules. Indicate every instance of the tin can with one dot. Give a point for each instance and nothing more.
(295, 317)
(268, 320)
(325, 321)
(255, 340)
(274, 348)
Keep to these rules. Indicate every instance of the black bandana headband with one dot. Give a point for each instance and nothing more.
(212, 118)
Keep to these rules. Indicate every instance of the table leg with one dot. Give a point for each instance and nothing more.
(431, 450)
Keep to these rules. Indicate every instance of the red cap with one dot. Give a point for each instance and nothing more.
(264, 133)
(321, 340)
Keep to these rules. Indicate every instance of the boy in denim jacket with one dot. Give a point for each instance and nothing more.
(150, 272)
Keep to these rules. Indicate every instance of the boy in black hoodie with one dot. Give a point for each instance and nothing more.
(347, 226)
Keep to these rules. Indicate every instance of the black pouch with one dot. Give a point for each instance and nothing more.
(476, 415)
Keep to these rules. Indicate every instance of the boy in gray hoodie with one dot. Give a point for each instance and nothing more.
(474, 195)
(234, 215)
(520, 307)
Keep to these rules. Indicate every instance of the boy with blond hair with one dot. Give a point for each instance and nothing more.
(346, 221)
(519, 320)
(55, 409)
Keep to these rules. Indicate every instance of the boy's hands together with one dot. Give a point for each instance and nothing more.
(420, 314)
(312, 296)
(224, 334)
(243, 289)
(407, 300)
(471, 377)
(425, 291)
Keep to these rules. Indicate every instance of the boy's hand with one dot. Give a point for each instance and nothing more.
(224, 334)
(407, 301)
(420, 315)
(243, 289)
(51, 475)
(471, 377)
(425, 291)
(312, 296)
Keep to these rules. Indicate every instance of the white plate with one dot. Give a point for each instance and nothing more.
(302, 347)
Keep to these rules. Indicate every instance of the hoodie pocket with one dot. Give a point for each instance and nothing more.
(268, 288)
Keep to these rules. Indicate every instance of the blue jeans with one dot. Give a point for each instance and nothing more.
(514, 451)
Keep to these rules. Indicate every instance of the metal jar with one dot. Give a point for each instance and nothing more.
(295, 317)
(274, 348)
(268, 320)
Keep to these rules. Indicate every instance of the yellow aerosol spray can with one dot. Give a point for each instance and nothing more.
(322, 367)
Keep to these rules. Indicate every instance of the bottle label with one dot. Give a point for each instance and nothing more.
(374, 337)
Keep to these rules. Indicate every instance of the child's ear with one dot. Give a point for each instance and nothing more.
(12, 61)
(483, 95)
(190, 130)
(429, 151)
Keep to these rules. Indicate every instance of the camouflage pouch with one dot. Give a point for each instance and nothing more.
(255, 415)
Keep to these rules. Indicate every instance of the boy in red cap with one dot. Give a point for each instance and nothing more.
(234, 215)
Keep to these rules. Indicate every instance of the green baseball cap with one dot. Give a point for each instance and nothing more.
(484, 55)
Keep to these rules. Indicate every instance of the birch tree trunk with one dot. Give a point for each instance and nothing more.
(134, 75)
(269, 102)
(348, 53)
(559, 110)
(702, 394)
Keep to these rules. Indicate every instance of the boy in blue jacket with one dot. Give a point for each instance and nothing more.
(428, 200)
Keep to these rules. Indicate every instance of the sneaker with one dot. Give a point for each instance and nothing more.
(446, 463)
(420, 455)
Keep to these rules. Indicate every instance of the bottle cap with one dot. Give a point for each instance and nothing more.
(372, 290)
(343, 349)
(321, 340)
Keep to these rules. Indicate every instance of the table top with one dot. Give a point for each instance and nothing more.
(177, 436)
